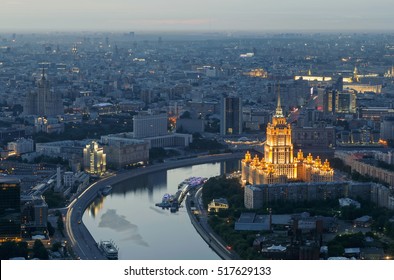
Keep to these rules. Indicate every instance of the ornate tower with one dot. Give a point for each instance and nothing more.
(278, 148)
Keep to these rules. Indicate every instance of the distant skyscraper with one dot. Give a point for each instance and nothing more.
(231, 116)
(329, 99)
(94, 159)
(345, 102)
(43, 102)
(10, 209)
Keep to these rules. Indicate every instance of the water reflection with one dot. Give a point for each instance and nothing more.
(154, 181)
(96, 206)
(143, 231)
(119, 223)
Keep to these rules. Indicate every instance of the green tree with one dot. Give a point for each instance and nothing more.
(60, 223)
(51, 229)
(39, 250)
(56, 246)
(12, 249)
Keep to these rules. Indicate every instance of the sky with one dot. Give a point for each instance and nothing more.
(201, 15)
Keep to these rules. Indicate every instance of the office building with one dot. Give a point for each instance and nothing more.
(387, 128)
(147, 124)
(231, 116)
(10, 209)
(21, 146)
(124, 151)
(94, 159)
(34, 211)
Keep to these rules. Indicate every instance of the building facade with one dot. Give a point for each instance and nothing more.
(279, 164)
(43, 102)
(150, 125)
(21, 146)
(34, 212)
(94, 159)
(123, 151)
(259, 196)
(231, 116)
(10, 209)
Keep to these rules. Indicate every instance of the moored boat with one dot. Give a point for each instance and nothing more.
(109, 249)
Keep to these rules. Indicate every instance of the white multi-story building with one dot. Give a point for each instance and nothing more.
(21, 146)
(94, 159)
(122, 150)
(150, 125)
(68, 179)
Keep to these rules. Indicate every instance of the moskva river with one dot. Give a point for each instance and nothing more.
(141, 230)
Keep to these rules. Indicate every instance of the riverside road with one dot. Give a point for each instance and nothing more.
(83, 243)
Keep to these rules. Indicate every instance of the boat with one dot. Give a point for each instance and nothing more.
(109, 249)
(106, 190)
(192, 182)
(166, 201)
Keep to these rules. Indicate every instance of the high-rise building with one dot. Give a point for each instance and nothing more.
(387, 128)
(345, 102)
(94, 159)
(10, 209)
(34, 212)
(279, 164)
(150, 125)
(329, 98)
(231, 116)
(43, 102)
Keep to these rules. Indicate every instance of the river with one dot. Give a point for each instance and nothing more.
(129, 217)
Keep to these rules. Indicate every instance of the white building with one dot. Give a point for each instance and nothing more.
(122, 150)
(147, 124)
(21, 146)
(68, 179)
(94, 159)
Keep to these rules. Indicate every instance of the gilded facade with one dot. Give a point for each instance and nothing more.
(279, 164)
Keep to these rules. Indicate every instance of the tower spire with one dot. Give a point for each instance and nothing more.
(43, 73)
(279, 112)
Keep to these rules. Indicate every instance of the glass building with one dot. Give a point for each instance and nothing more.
(10, 210)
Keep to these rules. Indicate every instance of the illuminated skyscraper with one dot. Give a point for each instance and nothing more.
(94, 159)
(279, 164)
(278, 148)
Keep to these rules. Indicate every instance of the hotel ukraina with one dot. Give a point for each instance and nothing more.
(278, 164)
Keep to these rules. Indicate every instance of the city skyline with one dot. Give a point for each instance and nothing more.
(176, 15)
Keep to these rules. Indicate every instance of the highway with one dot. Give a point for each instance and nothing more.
(82, 242)
(203, 228)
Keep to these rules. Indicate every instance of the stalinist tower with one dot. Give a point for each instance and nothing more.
(279, 164)
(43, 102)
(278, 149)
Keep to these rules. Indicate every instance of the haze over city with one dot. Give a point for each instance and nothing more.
(204, 15)
(196, 130)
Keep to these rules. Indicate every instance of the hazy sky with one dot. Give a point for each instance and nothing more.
(206, 15)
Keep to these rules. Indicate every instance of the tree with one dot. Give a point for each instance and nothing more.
(60, 223)
(39, 250)
(185, 115)
(12, 249)
(56, 246)
(51, 229)
(335, 250)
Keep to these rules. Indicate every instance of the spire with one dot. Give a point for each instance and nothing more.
(43, 73)
(279, 112)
